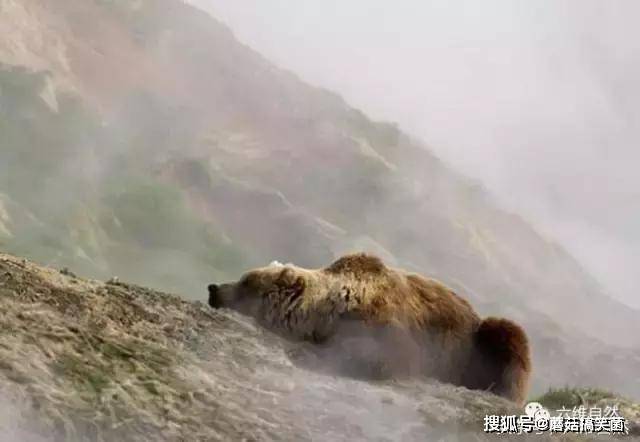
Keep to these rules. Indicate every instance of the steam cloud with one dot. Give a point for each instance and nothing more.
(538, 100)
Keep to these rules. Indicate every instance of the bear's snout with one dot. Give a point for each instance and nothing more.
(214, 299)
(221, 295)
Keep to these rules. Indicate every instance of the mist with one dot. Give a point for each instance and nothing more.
(160, 148)
(537, 100)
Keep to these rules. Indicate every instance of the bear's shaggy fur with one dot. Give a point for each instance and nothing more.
(401, 323)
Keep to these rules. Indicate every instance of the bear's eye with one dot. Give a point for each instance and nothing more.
(247, 281)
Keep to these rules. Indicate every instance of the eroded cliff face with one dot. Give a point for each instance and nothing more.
(88, 360)
(141, 139)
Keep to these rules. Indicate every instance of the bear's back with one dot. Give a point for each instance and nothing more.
(438, 307)
(358, 265)
(407, 299)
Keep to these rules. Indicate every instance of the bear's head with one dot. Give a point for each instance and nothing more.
(260, 291)
(301, 303)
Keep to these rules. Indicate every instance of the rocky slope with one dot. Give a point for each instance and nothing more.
(141, 139)
(86, 360)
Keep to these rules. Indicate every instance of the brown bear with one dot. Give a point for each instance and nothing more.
(400, 323)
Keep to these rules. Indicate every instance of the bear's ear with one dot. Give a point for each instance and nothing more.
(289, 279)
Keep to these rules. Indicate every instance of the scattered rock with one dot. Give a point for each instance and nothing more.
(65, 271)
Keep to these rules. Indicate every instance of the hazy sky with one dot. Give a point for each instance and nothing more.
(538, 99)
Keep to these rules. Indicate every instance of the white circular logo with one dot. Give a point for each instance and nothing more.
(532, 408)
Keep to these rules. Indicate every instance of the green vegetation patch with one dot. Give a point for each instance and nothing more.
(568, 397)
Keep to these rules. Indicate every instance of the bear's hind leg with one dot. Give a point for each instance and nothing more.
(500, 360)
